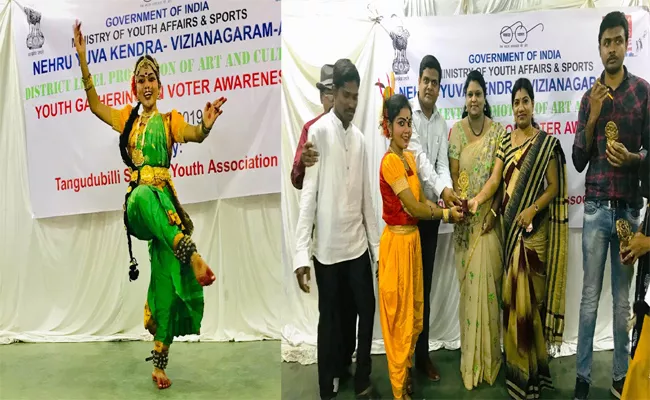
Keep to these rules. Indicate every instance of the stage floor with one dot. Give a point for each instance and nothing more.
(117, 370)
(301, 382)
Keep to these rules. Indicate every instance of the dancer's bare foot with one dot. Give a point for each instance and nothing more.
(202, 272)
(160, 377)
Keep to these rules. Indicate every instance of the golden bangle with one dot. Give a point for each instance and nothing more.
(493, 212)
(445, 215)
(88, 82)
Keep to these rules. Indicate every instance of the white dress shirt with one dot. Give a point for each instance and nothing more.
(336, 198)
(429, 144)
(647, 296)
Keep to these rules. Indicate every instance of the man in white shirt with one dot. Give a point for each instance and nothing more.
(429, 144)
(306, 156)
(336, 201)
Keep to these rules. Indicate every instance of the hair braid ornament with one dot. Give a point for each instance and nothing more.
(386, 93)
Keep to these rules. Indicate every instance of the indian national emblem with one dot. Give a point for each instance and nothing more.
(400, 38)
(35, 38)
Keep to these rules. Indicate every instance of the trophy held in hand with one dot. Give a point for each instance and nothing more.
(611, 132)
(463, 187)
(624, 231)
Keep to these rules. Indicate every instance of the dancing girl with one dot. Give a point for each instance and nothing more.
(152, 211)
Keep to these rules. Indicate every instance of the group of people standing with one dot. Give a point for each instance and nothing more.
(506, 194)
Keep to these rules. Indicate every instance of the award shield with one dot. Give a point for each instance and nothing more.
(611, 132)
(624, 231)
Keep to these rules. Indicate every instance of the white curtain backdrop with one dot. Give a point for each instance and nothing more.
(66, 279)
(344, 29)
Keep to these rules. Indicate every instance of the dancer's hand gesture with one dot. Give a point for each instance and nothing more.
(212, 111)
(79, 42)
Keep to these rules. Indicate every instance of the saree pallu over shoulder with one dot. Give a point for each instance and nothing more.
(529, 184)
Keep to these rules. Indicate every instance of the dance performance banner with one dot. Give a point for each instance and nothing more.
(205, 49)
(556, 50)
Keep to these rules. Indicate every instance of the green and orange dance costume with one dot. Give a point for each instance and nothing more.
(153, 213)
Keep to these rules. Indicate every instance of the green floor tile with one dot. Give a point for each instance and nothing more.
(117, 370)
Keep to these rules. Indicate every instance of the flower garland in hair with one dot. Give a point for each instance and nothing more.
(386, 93)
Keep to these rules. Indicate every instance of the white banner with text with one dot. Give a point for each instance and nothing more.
(205, 49)
(556, 50)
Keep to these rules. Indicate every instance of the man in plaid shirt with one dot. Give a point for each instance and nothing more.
(612, 191)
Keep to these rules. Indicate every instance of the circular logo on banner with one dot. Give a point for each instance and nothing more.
(516, 31)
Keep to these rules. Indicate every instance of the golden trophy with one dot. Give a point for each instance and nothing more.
(625, 234)
(611, 132)
(463, 187)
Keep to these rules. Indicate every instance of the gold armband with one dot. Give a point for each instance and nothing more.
(445, 215)
(88, 82)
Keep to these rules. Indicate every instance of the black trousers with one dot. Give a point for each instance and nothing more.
(345, 290)
(348, 313)
(429, 243)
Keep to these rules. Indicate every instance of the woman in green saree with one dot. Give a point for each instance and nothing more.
(152, 211)
(532, 167)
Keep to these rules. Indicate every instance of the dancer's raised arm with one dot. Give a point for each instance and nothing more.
(102, 111)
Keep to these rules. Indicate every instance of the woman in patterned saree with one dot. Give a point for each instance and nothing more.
(477, 246)
(535, 223)
(401, 300)
(151, 211)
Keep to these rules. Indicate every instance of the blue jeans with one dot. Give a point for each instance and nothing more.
(599, 236)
